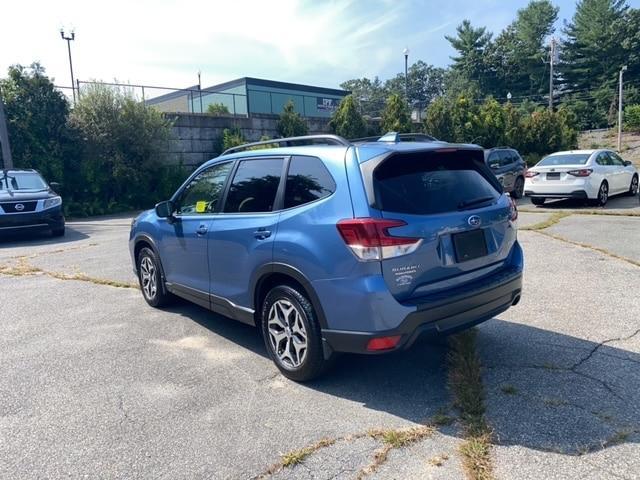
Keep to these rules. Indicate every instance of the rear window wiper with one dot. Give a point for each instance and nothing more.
(474, 201)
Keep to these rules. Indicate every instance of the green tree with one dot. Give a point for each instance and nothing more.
(395, 117)
(346, 121)
(217, 109)
(370, 94)
(123, 141)
(519, 55)
(290, 123)
(438, 121)
(425, 83)
(36, 116)
(592, 53)
(472, 45)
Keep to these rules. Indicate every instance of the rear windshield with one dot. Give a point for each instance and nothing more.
(425, 184)
(565, 159)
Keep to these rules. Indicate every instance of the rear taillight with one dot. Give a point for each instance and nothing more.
(369, 238)
(531, 173)
(583, 172)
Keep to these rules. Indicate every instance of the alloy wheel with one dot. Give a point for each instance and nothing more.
(148, 277)
(603, 194)
(634, 186)
(287, 333)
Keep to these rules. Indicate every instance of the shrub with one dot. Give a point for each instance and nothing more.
(290, 123)
(232, 137)
(632, 118)
(217, 109)
(122, 144)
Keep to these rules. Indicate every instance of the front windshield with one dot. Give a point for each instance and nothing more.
(565, 159)
(21, 181)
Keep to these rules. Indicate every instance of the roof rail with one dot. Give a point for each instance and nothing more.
(394, 137)
(291, 141)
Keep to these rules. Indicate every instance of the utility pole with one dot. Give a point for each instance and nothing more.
(5, 152)
(552, 54)
(69, 39)
(406, 76)
(622, 70)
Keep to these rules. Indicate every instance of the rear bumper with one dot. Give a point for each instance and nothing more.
(443, 316)
(48, 219)
(579, 194)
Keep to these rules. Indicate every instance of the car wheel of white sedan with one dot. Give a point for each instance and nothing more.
(633, 188)
(603, 194)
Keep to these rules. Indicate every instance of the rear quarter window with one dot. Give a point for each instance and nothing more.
(307, 180)
(432, 183)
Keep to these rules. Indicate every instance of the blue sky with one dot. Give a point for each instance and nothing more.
(165, 42)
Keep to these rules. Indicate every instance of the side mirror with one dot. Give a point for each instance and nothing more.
(164, 209)
(627, 163)
(55, 186)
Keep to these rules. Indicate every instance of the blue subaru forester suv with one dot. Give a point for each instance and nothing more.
(329, 246)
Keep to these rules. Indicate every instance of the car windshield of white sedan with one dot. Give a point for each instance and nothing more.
(565, 159)
(21, 181)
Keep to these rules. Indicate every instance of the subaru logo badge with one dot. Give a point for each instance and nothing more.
(19, 207)
(474, 220)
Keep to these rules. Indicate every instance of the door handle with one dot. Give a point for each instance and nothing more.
(262, 233)
(202, 230)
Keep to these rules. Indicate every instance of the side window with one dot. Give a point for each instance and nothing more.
(254, 186)
(616, 160)
(202, 194)
(602, 159)
(494, 157)
(506, 158)
(308, 180)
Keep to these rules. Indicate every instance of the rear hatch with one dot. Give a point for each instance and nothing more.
(450, 202)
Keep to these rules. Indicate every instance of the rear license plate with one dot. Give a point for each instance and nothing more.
(469, 245)
(553, 176)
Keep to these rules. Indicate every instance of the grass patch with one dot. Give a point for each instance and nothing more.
(297, 456)
(442, 419)
(552, 220)
(23, 268)
(465, 382)
(509, 389)
(393, 439)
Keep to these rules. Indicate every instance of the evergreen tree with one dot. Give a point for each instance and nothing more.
(395, 117)
(472, 45)
(347, 121)
(290, 123)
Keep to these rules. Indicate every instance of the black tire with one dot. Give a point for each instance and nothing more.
(518, 188)
(149, 274)
(603, 195)
(538, 200)
(57, 232)
(300, 366)
(633, 188)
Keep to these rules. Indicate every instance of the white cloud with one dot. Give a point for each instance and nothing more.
(166, 42)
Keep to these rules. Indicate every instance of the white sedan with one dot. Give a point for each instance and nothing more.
(592, 175)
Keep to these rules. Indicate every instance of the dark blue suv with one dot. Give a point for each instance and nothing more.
(330, 246)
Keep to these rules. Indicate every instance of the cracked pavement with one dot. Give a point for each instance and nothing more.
(96, 383)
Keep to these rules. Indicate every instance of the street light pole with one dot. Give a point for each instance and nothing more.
(406, 71)
(622, 70)
(69, 39)
(200, 90)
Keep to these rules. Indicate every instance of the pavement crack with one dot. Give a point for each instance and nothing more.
(600, 345)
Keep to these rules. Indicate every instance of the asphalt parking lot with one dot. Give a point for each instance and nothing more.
(97, 384)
